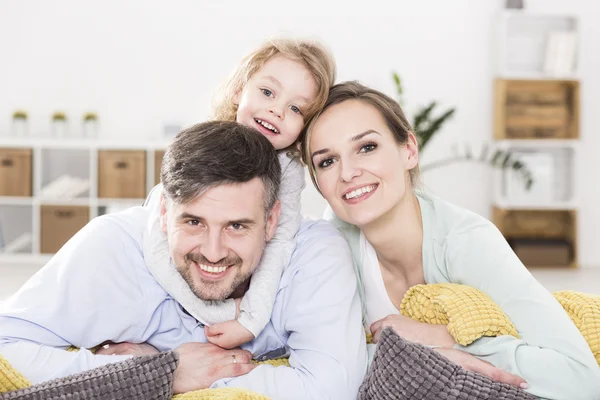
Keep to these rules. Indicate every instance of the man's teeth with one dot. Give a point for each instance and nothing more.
(267, 125)
(214, 270)
(358, 192)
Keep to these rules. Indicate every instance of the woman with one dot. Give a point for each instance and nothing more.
(363, 158)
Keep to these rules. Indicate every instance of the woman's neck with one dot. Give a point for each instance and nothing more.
(397, 238)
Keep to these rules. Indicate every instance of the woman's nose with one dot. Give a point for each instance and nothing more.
(349, 171)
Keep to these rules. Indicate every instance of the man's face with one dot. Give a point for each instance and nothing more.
(216, 240)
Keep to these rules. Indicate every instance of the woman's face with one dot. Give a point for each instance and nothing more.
(361, 169)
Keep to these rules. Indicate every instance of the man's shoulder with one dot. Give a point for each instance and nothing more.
(319, 248)
(314, 231)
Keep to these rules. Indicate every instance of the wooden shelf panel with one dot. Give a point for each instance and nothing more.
(536, 109)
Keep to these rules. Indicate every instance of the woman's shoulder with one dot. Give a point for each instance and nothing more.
(445, 219)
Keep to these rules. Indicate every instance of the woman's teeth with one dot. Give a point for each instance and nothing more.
(267, 125)
(355, 193)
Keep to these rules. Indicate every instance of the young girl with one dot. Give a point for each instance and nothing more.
(276, 89)
(363, 158)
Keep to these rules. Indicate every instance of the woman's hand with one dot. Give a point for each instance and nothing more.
(414, 331)
(474, 364)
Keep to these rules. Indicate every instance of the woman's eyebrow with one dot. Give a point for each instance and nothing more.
(362, 135)
(353, 139)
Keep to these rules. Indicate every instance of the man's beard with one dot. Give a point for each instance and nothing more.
(211, 290)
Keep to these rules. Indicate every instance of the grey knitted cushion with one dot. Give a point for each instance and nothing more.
(139, 378)
(404, 370)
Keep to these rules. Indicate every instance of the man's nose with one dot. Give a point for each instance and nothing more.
(349, 170)
(214, 249)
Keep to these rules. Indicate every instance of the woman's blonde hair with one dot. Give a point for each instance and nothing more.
(315, 56)
(390, 111)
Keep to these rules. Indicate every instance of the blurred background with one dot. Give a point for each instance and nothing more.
(504, 93)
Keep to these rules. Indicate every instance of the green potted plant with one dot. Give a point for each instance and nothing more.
(59, 124)
(19, 123)
(90, 125)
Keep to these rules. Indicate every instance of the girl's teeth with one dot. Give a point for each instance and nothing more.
(267, 125)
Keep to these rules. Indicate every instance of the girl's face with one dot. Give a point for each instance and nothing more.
(275, 98)
(361, 169)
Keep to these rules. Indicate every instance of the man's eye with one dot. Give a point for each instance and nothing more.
(368, 147)
(267, 92)
(326, 163)
(193, 222)
(237, 227)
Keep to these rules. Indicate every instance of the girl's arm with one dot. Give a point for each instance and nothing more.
(257, 303)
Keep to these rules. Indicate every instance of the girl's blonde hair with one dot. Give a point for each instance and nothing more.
(312, 54)
(390, 110)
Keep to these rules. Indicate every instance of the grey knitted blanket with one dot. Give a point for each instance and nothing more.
(404, 370)
(139, 378)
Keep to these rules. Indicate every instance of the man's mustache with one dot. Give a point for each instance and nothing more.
(200, 259)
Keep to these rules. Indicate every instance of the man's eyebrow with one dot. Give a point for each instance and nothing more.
(243, 221)
(186, 215)
(353, 139)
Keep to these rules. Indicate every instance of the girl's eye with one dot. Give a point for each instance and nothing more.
(296, 110)
(325, 163)
(367, 148)
(267, 92)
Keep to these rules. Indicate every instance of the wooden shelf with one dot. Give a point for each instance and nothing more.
(536, 109)
(100, 177)
(540, 237)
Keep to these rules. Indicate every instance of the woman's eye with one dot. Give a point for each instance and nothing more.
(296, 110)
(326, 163)
(267, 92)
(368, 147)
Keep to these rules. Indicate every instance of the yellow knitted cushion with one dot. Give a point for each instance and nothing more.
(10, 378)
(468, 312)
(584, 310)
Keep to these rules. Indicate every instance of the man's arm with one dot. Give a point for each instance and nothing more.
(88, 293)
(318, 309)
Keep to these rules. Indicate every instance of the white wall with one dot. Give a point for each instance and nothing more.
(146, 63)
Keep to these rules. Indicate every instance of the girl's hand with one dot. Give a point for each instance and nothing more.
(228, 334)
(414, 331)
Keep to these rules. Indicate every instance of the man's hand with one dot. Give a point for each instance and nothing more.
(474, 364)
(414, 331)
(228, 334)
(202, 364)
(127, 348)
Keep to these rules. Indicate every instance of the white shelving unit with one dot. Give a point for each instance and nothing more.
(536, 46)
(21, 216)
(536, 109)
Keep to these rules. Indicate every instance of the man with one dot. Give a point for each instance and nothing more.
(219, 208)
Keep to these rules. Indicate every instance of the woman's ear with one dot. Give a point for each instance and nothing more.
(412, 147)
